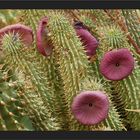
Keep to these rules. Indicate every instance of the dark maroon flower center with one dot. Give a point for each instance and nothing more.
(90, 104)
(117, 64)
(78, 23)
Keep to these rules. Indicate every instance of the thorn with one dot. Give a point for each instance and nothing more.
(2, 103)
(19, 108)
(133, 110)
(23, 114)
(15, 122)
(10, 113)
(12, 99)
(4, 126)
(23, 103)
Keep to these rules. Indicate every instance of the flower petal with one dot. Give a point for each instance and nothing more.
(43, 45)
(88, 40)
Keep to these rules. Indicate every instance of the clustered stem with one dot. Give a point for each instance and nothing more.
(124, 28)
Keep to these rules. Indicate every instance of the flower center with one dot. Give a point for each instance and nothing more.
(90, 104)
(15, 37)
(117, 64)
(78, 23)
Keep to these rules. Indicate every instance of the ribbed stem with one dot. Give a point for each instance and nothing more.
(17, 57)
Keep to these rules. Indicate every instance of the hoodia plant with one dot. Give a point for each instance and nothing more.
(70, 70)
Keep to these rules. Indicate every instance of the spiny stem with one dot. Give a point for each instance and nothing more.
(124, 28)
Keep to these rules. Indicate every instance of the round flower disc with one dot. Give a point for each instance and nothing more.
(90, 107)
(42, 43)
(117, 64)
(88, 40)
(25, 33)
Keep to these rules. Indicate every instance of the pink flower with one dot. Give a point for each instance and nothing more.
(88, 40)
(117, 64)
(43, 45)
(24, 31)
(90, 107)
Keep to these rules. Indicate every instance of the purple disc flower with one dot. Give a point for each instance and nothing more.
(89, 41)
(117, 64)
(90, 107)
(25, 32)
(43, 45)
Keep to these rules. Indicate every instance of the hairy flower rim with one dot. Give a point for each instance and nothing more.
(25, 32)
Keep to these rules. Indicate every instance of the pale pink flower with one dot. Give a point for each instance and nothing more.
(90, 107)
(24, 32)
(117, 64)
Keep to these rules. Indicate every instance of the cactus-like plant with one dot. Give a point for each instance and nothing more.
(66, 70)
